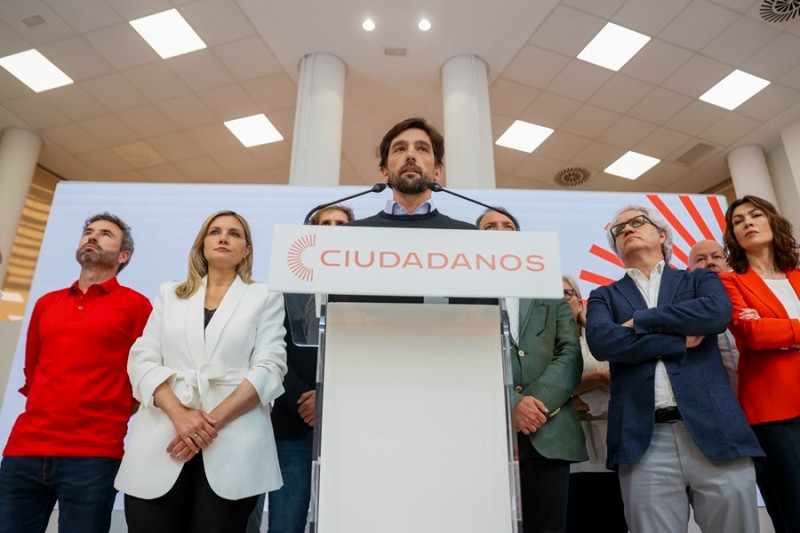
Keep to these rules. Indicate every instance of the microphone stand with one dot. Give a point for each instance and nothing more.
(378, 187)
(435, 187)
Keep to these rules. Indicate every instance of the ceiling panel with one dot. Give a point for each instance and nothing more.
(156, 81)
(37, 112)
(510, 98)
(590, 121)
(72, 138)
(76, 58)
(661, 143)
(536, 67)
(779, 56)
(698, 24)
(75, 102)
(659, 106)
(121, 46)
(110, 130)
(550, 110)
(730, 128)
(579, 80)
(247, 58)
(695, 118)
(648, 16)
(621, 93)
(739, 41)
(187, 112)
(696, 76)
(656, 61)
(115, 92)
(601, 8)
(626, 131)
(85, 15)
(582, 28)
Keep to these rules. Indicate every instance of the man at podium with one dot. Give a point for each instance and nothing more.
(412, 156)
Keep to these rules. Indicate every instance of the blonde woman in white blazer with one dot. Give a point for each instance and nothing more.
(202, 449)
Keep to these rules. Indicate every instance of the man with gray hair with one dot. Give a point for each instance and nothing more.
(675, 431)
(67, 444)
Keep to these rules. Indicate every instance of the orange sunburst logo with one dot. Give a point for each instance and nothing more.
(295, 257)
(700, 231)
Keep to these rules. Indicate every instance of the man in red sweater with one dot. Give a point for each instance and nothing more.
(67, 444)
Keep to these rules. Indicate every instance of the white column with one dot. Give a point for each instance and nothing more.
(791, 143)
(469, 156)
(19, 152)
(317, 141)
(749, 173)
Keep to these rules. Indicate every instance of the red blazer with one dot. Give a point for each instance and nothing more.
(769, 367)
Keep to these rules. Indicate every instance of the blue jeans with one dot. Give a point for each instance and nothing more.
(83, 487)
(288, 506)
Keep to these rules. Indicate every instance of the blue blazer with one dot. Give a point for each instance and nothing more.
(689, 303)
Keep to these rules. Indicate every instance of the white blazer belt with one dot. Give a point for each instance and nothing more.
(193, 384)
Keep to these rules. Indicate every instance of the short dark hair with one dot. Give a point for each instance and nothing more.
(784, 245)
(437, 141)
(127, 238)
(499, 209)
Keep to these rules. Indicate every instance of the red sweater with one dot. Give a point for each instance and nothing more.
(76, 379)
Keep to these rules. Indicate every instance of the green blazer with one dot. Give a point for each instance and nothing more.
(547, 364)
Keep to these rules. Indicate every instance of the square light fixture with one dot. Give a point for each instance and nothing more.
(168, 33)
(524, 136)
(613, 46)
(254, 130)
(631, 165)
(734, 90)
(34, 70)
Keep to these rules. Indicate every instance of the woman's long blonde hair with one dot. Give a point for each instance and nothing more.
(198, 266)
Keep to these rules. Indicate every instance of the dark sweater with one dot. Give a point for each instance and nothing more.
(432, 220)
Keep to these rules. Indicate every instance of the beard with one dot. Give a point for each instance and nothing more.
(415, 185)
(96, 257)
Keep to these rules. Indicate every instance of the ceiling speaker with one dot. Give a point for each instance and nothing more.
(779, 10)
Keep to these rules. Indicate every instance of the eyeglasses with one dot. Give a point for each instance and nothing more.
(635, 222)
(569, 293)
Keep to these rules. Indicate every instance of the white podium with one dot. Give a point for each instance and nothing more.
(413, 430)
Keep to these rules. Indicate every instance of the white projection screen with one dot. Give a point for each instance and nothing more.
(166, 217)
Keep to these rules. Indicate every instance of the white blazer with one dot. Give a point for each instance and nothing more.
(243, 340)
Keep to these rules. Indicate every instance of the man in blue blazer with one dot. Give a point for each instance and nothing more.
(676, 432)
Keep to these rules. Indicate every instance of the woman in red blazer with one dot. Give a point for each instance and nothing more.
(764, 288)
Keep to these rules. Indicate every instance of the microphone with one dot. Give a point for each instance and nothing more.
(435, 187)
(378, 187)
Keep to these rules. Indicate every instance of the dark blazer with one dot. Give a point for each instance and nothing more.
(769, 362)
(300, 377)
(547, 365)
(689, 303)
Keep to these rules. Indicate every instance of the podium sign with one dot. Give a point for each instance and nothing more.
(415, 262)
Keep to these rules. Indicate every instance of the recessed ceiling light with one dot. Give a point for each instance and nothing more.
(168, 33)
(734, 90)
(613, 47)
(368, 25)
(34, 70)
(254, 130)
(524, 136)
(632, 165)
(424, 25)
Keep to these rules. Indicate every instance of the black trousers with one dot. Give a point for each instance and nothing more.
(189, 506)
(778, 474)
(595, 503)
(544, 484)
